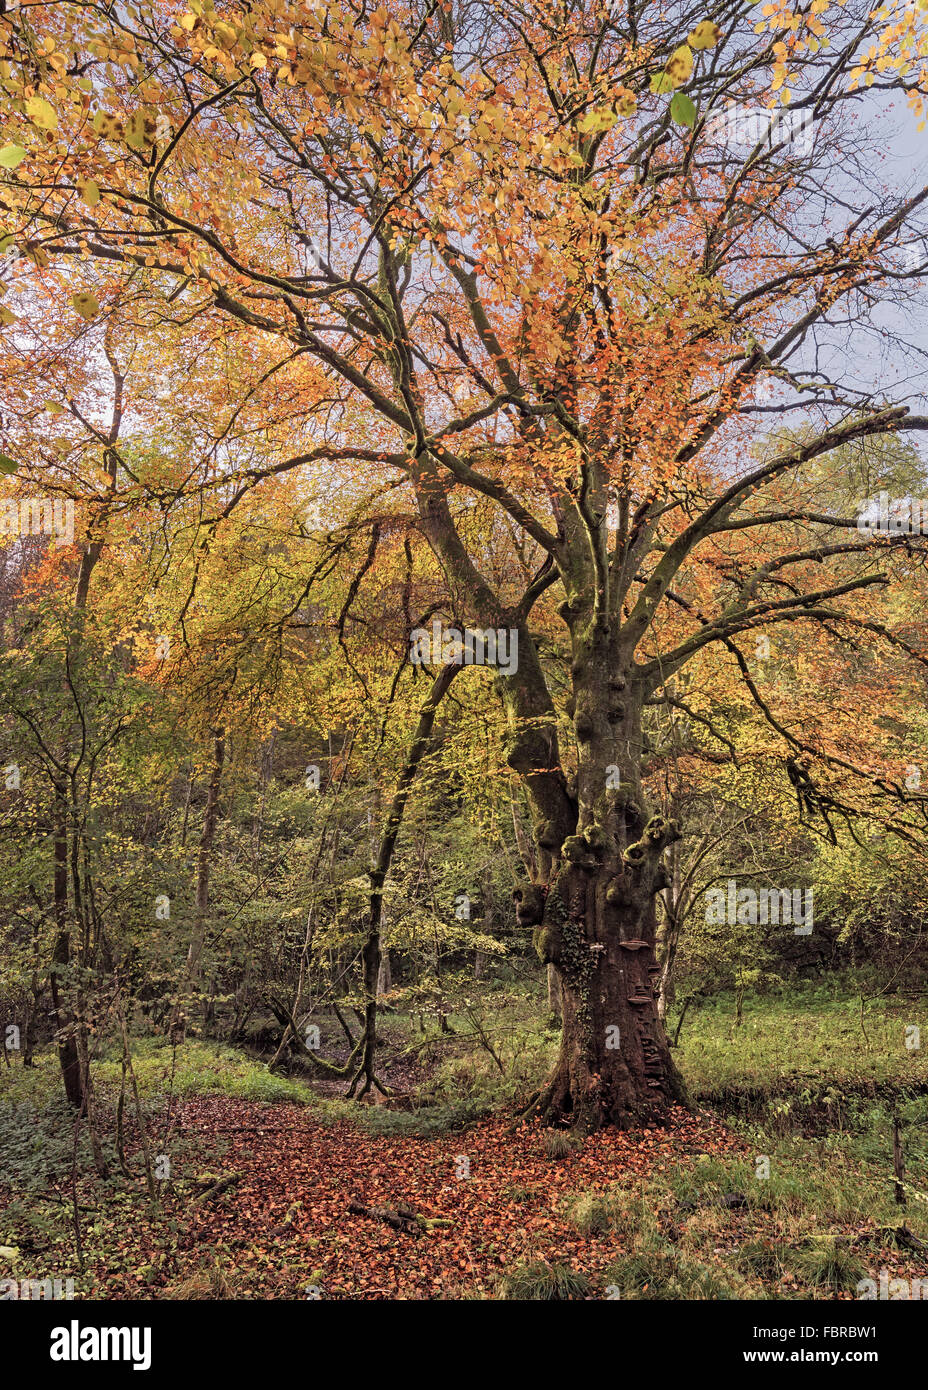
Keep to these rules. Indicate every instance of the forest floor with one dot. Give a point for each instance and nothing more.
(275, 1192)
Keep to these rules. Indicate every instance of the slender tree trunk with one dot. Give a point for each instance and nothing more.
(669, 933)
(90, 1105)
(27, 1036)
(385, 974)
(204, 859)
(72, 1036)
(370, 954)
(32, 1010)
(670, 941)
(65, 1026)
(523, 843)
(554, 994)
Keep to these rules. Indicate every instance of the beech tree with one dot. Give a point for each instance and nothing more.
(547, 265)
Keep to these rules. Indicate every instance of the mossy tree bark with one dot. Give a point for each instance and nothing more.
(597, 915)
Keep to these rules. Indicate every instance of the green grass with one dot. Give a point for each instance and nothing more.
(198, 1068)
(786, 1039)
(667, 1273)
(828, 1264)
(628, 1214)
(559, 1144)
(711, 1229)
(542, 1282)
(807, 1076)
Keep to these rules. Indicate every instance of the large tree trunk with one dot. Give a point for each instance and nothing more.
(614, 1066)
(597, 922)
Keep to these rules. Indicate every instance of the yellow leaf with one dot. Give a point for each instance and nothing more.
(140, 130)
(705, 35)
(11, 156)
(89, 190)
(41, 113)
(107, 127)
(225, 35)
(680, 67)
(87, 305)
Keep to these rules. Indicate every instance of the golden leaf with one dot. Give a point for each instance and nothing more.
(705, 35)
(41, 113)
(86, 304)
(680, 67)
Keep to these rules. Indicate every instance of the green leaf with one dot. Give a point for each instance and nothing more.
(682, 110)
(7, 465)
(661, 83)
(603, 119)
(11, 156)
